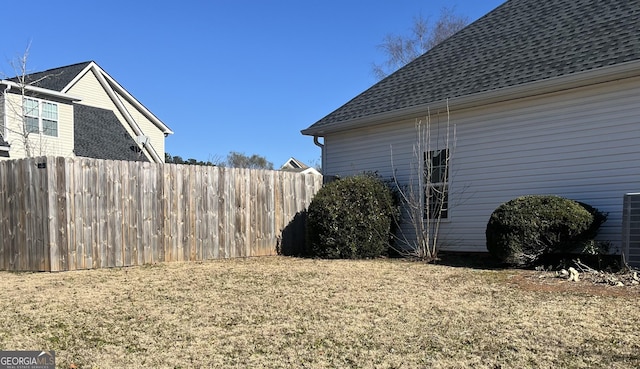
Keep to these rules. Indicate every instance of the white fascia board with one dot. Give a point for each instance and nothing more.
(78, 77)
(133, 101)
(530, 89)
(127, 116)
(121, 90)
(41, 91)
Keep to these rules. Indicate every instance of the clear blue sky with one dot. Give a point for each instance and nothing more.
(224, 75)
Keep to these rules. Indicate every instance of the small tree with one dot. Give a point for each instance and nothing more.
(240, 160)
(234, 160)
(169, 159)
(425, 198)
(20, 109)
(400, 50)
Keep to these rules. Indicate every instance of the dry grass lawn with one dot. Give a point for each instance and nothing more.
(293, 313)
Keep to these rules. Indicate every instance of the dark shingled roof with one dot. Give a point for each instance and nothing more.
(521, 41)
(54, 79)
(99, 134)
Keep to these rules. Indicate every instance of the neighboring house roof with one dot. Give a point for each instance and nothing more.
(54, 79)
(99, 134)
(518, 43)
(295, 165)
(61, 79)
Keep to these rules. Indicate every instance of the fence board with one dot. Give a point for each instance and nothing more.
(49, 207)
(178, 223)
(42, 223)
(159, 212)
(128, 204)
(224, 213)
(20, 261)
(171, 199)
(213, 197)
(195, 212)
(11, 240)
(187, 215)
(79, 213)
(4, 215)
(145, 182)
(101, 216)
(93, 251)
(29, 222)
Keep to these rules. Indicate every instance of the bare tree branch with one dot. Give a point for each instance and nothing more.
(425, 197)
(33, 143)
(400, 50)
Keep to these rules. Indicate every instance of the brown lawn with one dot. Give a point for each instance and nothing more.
(293, 313)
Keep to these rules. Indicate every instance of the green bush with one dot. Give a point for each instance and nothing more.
(524, 229)
(352, 218)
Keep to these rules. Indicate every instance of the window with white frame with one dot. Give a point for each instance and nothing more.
(40, 116)
(436, 173)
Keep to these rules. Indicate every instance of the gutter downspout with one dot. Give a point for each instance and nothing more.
(321, 146)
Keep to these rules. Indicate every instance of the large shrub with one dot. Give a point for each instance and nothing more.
(524, 229)
(352, 218)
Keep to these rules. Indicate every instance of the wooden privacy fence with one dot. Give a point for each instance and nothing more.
(59, 214)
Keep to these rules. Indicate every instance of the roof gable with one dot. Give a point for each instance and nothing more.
(62, 79)
(294, 164)
(116, 91)
(520, 42)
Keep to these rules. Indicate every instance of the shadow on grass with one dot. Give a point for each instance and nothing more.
(483, 260)
(293, 238)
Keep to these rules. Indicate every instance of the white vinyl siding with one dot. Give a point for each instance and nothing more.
(583, 144)
(56, 121)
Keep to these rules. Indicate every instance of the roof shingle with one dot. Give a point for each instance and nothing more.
(519, 42)
(99, 134)
(54, 79)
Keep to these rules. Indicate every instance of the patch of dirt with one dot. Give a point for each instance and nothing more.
(589, 283)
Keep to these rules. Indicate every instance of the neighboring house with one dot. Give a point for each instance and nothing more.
(545, 99)
(77, 110)
(295, 165)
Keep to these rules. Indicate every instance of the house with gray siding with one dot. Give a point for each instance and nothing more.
(544, 97)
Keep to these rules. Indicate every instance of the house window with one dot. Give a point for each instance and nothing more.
(40, 117)
(436, 184)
